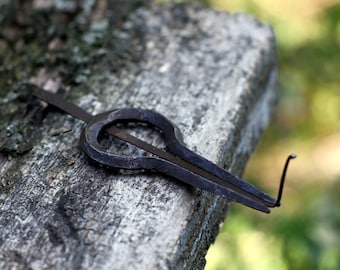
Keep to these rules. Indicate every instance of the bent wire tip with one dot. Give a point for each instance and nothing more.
(282, 182)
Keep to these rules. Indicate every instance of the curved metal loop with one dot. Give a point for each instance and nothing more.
(90, 137)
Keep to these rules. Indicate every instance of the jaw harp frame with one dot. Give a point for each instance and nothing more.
(176, 161)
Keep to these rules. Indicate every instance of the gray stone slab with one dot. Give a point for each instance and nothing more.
(211, 73)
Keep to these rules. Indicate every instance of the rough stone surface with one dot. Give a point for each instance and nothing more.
(211, 73)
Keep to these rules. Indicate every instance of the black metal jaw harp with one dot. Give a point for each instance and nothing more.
(176, 161)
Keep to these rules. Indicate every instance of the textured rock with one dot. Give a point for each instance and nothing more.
(211, 73)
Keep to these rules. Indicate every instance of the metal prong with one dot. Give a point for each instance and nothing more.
(282, 182)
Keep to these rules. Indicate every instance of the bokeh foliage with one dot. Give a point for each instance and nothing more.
(305, 232)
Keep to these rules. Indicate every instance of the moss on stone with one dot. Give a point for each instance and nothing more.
(58, 42)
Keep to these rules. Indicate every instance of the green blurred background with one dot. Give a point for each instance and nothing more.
(305, 232)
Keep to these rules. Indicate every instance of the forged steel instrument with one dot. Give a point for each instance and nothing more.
(176, 161)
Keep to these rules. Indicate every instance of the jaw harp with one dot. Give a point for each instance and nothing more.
(176, 161)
